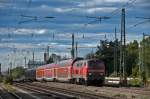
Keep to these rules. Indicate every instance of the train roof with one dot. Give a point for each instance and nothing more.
(67, 62)
(47, 66)
(85, 60)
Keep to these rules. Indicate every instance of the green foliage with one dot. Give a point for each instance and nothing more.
(135, 72)
(146, 45)
(135, 82)
(105, 52)
(90, 56)
(132, 57)
(7, 80)
(1, 79)
(17, 72)
(113, 74)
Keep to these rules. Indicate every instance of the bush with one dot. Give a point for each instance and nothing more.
(7, 80)
(135, 82)
(17, 72)
(1, 79)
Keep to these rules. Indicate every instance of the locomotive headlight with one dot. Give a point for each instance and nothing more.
(90, 73)
(101, 73)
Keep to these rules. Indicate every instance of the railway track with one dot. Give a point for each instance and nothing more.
(1, 97)
(8, 92)
(14, 95)
(74, 94)
(9, 95)
(45, 92)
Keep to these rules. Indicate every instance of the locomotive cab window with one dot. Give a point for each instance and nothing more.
(94, 63)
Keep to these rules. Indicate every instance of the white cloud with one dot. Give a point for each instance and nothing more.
(21, 46)
(116, 1)
(80, 9)
(92, 3)
(60, 10)
(22, 31)
(100, 9)
(30, 31)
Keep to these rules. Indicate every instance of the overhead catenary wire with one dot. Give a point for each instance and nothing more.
(146, 20)
(123, 6)
(34, 18)
(109, 15)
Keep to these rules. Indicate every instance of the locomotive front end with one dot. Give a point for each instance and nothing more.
(96, 72)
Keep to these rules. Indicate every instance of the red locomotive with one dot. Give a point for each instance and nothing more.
(74, 71)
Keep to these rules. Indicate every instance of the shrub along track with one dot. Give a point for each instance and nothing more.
(61, 91)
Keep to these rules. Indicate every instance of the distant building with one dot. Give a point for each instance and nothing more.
(35, 64)
(56, 58)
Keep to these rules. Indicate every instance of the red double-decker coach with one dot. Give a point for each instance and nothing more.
(80, 71)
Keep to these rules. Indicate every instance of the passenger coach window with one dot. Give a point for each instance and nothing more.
(78, 64)
(81, 64)
(84, 63)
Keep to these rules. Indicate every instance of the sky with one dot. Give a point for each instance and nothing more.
(20, 36)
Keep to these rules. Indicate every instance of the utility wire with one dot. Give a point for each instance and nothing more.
(34, 18)
(146, 20)
(142, 22)
(125, 5)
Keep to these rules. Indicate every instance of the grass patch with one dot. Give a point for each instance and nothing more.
(1, 79)
(9, 87)
(135, 83)
(149, 83)
(8, 80)
(120, 96)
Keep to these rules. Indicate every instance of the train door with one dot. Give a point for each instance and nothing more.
(77, 72)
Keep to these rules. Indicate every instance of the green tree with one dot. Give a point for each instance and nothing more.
(145, 46)
(147, 55)
(105, 52)
(90, 55)
(17, 72)
(132, 57)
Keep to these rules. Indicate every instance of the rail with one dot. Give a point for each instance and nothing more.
(45, 91)
(15, 95)
(67, 91)
(1, 97)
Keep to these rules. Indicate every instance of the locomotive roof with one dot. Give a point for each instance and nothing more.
(85, 60)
